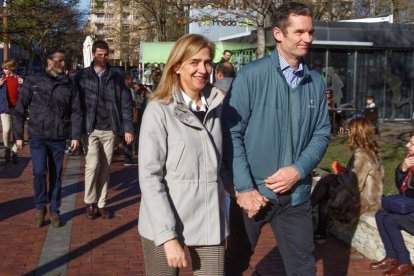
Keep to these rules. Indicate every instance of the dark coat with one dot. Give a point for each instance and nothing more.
(117, 95)
(4, 104)
(54, 108)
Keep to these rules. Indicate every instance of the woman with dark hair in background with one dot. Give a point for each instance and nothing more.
(397, 257)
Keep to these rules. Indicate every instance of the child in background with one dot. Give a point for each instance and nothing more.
(370, 102)
(9, 92)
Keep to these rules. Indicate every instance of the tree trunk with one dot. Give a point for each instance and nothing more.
(261, 38)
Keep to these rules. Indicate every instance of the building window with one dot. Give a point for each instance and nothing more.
(109, 15)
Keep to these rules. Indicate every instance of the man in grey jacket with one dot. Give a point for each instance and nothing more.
(276, 130)
(107, 115)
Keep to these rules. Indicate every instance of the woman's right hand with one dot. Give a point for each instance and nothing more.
(407, 163)
(175, 254)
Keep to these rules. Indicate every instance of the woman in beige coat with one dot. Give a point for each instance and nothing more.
(183, 198)
(355, 189)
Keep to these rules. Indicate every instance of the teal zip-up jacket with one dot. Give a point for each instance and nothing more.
(256, 121)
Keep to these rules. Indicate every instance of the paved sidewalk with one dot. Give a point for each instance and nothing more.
(111, 247)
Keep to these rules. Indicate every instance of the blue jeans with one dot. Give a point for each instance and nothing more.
(47, 155)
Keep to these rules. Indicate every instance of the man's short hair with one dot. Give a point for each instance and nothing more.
(51, 52)
(101, 44)
(227, 51)
(282, 13)
(226, 68)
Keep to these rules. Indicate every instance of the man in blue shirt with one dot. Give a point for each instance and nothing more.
(276, 130)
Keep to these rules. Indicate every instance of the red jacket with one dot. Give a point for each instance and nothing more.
(12, 90)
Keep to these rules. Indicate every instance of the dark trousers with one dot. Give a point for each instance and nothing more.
(47, 155)
(129, 149)
(292, 227)
(389, 227)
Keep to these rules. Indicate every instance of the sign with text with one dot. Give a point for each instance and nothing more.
(216, 24)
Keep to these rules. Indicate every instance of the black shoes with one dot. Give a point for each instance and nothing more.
(90, 211)
(14, 158)
(10, 156)
(104, 213)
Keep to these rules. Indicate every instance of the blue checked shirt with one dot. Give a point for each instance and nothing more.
(292, 77)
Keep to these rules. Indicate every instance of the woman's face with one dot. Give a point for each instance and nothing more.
(410, 146)
(7, 72)
(328, 95)
(194, 72)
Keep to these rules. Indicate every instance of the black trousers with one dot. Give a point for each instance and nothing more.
(292, 227)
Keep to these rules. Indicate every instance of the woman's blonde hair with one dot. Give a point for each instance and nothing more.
(9, 64)
(185, 47)
(362, 135)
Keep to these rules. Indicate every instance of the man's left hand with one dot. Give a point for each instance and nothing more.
(129, 137)
(74, 144)
(283, 180)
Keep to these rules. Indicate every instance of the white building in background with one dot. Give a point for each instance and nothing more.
(118, 23)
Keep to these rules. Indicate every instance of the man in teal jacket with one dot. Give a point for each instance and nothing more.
(276, 130)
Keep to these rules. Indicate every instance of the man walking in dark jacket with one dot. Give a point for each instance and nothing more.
(107, 114)
(54, 113)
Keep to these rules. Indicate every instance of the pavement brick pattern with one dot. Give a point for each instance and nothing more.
(112, 247)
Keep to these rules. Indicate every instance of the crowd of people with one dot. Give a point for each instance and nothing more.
(251, 139)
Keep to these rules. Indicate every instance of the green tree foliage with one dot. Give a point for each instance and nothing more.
(37, 25)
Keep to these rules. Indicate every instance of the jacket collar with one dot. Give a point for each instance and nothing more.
(61, 79)
(275, 60)
(109, 71)
(214, 98)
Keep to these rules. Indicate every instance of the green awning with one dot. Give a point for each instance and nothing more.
(157, 52)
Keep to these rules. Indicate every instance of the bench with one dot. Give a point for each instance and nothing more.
(365, 238)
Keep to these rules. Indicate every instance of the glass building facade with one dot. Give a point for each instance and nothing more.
(359, 60)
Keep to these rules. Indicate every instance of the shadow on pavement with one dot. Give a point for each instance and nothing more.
(271, 264)
(59, 261)
(20, 205)
(10, 170)
(15, 206)
(335, 257)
